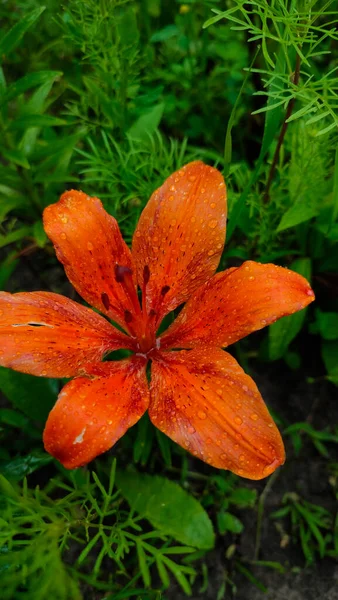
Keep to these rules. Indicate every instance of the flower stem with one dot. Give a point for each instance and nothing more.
(282, 133)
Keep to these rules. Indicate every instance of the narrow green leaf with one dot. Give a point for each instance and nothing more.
(298, 213)
(162, 35)
(28, 82)
(33, 395)
(329, 350)
(271, 126)
(228, 136)
(6, 268)
(335, 189)
(168, 507)
(16, 156)
(14, 236)
(333, 125)
(228, 522)
(39, 234)
(18, 468)
(177, 571)
(327, 324)
(142, 561)
(26, 121)
(163, 573)
(147, 123)
(13, 37)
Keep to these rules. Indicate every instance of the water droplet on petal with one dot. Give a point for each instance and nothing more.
(238, 420)
(212, 224)
(201, 414)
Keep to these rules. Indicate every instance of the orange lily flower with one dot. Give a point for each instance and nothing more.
(199, 396)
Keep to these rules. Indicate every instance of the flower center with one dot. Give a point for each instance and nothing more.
(139, 323)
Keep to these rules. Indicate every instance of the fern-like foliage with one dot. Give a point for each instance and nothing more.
(69, 532)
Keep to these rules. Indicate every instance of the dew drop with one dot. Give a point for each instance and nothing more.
(90, 246)
(238, 420)
(63, 236)
(191, 430)
(212, 224)
(64, 219)
(254, 416)
(201, 414)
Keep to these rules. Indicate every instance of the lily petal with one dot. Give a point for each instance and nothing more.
(204, 401)
(89, 244)
(93, 412)
(180, 236)
(237, 302)
(47, 334)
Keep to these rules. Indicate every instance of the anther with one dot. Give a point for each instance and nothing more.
(165, 290)
(105, 300)
(128, 317)
(121, 272)
(146, 274)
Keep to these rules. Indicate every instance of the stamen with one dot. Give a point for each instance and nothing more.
(105, 300)
(146, 274)
(146, 277)
(128, 317)
(165, 290)
(121, 272)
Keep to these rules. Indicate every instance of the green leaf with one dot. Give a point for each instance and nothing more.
(12, 199)
(285, 330)
(33, 395)
(327, 324)
(228, 522)
(13, 37)
(271, 126)
(335, 188)
(17, 157)
(168, 507)
(142, 561)
(147, 123)
(228, 135)
(7, 267)
(39, 234)
(28, 82)
(18, 468)
(243, 497)
(14, 236)
(298, 213)
(329, 351)
(162, 35)
(26, 121)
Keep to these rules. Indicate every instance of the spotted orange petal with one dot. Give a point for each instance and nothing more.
(93, 412)
(204, 401)
(89, 244)
(47, 334)
(237, 302)
(180, 236)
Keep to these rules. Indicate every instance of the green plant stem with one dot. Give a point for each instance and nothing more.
(260, 512)
(282, 133)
